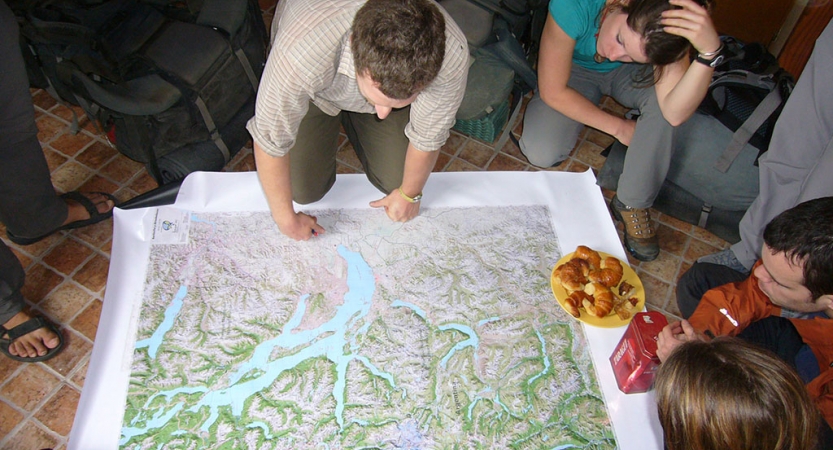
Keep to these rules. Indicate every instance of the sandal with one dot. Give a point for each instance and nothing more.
(95, 217)
(23, 329)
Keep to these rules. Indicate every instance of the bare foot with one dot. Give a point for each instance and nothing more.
(77, 211)
(33, 344)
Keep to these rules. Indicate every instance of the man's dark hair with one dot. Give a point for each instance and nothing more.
(400, 44)
(805, 234)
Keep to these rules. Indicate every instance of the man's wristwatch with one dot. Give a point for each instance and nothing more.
(414, 199)
(711, 59)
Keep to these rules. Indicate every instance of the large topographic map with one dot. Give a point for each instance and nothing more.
(440, 333)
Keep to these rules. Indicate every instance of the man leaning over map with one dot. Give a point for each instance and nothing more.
(391, 72)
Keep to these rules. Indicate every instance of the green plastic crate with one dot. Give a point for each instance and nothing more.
(488, 127)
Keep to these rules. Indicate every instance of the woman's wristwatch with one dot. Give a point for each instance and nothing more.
(711, 59)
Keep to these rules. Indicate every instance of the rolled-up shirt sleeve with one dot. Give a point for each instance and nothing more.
(282, 102)
(434, 110)
(302, 62)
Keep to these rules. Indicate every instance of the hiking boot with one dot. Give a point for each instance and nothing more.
(640, 237)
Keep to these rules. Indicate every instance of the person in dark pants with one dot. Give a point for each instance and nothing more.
(29, 206)
(785, 305)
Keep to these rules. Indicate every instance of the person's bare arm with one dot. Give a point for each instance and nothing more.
(418, 166)
(554, 65)
(273, 173)
(683, 85)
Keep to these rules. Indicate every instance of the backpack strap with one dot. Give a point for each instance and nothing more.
(65, 33)
(212, 129)
(247, 67)
(739, 139)
(704, 215)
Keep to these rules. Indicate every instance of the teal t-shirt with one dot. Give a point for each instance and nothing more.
(580, 20)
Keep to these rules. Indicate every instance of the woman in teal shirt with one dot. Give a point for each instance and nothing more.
(637, 53)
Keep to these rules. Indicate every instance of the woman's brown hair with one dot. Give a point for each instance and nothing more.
(661, 48)
(730, 395)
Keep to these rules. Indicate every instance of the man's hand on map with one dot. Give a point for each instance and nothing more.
(299, 226)
(397, 208)
(674, 335)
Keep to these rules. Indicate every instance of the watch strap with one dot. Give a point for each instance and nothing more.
(414, 199)
(714, 62)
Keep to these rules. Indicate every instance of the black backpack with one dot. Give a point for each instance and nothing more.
(746, 94)
(171, 83)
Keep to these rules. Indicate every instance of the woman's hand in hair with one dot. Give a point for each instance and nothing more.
(693, 22)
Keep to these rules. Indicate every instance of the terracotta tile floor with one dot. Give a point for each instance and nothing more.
(67, 273)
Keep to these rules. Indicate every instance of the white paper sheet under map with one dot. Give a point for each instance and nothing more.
(434, 334)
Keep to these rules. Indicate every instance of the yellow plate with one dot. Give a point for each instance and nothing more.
(611, 320)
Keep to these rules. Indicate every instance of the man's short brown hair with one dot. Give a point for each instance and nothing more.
(400, 44)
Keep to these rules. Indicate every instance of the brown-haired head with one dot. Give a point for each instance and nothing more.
(400, 44)
(731, 395)
(661, 48)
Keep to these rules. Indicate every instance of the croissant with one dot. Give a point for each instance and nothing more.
(572, 274)
(604, 300)
(609, 275)
(625, 289)
(574, 301)
(622, 311)
(622, 307)
(589, 255)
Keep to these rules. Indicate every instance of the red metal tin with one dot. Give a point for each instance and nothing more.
(635, 360)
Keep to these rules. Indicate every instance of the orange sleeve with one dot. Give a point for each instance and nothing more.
(729, 309)
(821, 391)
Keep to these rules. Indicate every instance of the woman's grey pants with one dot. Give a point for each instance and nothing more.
(549, 136)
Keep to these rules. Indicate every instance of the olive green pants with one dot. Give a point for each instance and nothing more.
(380, 145)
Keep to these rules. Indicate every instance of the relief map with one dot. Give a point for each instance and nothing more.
(439, 333)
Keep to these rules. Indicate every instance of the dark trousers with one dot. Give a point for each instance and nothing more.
(381, 146)
(28, 204)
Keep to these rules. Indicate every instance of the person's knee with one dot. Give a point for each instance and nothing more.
(306, 193)
(699, 279)
(385, 181)
(690, 289)
(307, 198)
(541, 154)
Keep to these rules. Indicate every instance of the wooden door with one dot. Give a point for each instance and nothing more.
(751, 20)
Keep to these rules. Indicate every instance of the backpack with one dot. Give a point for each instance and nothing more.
(503, 37)
(170, 83)
(746, 94)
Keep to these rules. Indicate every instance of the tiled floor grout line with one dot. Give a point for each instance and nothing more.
(30, 416)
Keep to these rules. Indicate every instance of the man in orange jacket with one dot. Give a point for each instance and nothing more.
(784, 305)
